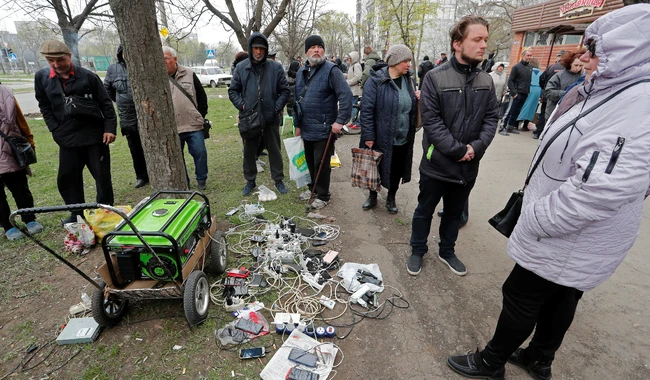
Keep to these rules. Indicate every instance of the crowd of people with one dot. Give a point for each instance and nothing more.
(581, 211)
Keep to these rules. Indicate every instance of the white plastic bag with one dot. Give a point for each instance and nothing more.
(298, 170)
(265, 194)
(79, 236)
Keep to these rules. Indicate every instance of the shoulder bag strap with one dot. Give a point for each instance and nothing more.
(304, 90)
(175, 83)
(572, 122)
(2, 134)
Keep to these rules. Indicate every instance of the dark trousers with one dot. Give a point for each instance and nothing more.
(531, 302)
(541, 120)
(397, 168)
(137, 155)
(271, 139)
(16, 182)
(517, 103)
(72, 161)
(454, 197)
(314, 151)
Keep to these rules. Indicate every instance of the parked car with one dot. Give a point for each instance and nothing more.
(212, 76)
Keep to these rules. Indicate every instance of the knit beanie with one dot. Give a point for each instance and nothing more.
(397, 54)
(312, 41)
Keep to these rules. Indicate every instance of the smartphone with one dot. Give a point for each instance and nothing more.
(249, 326)
(251, 353)
(232, 212)
(303, 357)
(301, 374)
(256, 281)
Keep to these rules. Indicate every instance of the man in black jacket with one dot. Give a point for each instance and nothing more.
(82, 138)
(443, 59)
(519, 85)
(119, 89)
(423, 69)
(273, 93)
(459, 123)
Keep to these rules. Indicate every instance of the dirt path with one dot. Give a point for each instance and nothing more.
(610, 336)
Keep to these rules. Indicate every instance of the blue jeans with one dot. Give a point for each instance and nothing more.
(196, 147)
(355, 110)
(454, 197)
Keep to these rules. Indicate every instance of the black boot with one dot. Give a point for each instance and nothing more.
(371, 202)
(473, 366)
(538, 370)
(390, 204)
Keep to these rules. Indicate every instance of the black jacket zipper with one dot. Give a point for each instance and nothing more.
(615, 153)
(590, 167)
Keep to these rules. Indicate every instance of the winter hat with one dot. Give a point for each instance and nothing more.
(258, 42)
(397, 54)
(312, 41)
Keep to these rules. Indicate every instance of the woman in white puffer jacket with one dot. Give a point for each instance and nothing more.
(582, 208)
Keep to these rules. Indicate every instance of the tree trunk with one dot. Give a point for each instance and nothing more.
(138, 30)
(163, 19)
(71, 38)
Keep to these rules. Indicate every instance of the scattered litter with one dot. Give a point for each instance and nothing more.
(138, 339)
(184, 369)
(265, 194)
(79, 237)
(304, 196)
(177, 347)
(315, 215)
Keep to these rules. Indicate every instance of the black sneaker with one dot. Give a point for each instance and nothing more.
(281, 187)
(538, 370)
(514, 131)
(414, 265)
(473, 366)
(248, 188)
(454, 264)
(535, 136)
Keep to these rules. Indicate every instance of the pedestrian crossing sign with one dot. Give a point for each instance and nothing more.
(210, 53)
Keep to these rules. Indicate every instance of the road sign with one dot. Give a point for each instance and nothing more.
(13, 57)
(164, 32)
(210, 53)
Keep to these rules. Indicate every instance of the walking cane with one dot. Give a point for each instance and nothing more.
(320, 168)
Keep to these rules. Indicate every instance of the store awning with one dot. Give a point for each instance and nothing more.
(568, 29)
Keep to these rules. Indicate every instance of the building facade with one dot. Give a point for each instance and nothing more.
(555, 25)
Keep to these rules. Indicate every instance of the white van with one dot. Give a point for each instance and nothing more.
(212, 76)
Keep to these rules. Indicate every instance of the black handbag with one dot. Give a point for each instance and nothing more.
(506, 220)
(22, 150)
(251, 121)
(207, 124)
(79, 106)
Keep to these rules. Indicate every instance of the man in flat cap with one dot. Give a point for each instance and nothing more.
(258, 81)
(325, 101)
(81, 117)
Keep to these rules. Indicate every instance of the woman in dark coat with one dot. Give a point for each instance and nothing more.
(388, 122)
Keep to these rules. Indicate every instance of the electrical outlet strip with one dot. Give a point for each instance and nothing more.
(328, 303)
(313, 281)
(286, 319)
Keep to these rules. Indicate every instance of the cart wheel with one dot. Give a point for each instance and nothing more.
(216, 261)
(196, 298)
(107, 312)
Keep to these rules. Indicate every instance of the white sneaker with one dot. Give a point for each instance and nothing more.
(318, 204)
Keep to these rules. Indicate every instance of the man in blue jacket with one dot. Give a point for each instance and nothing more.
(83, 138)
(273, 93)
(325, 101)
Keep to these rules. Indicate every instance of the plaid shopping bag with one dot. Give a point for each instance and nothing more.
(365, 169)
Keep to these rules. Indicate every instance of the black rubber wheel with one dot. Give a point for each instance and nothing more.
(196, 298)
(215, 263)
(213, 84)
(107, 312)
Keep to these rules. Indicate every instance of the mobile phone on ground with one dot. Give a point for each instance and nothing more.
(301, 374)
(249, 326)
(303, 357)
(251, 353)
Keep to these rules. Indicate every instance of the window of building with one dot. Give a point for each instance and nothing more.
(542, 39)
(572, 39)
(529, 39)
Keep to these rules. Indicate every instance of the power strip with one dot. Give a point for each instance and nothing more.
(313, 281)
(327, 302)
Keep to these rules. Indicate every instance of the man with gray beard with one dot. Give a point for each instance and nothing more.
(324, 100)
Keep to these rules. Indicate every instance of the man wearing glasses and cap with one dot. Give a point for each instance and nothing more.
(83, 137)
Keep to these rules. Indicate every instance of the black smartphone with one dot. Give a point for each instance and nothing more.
(249, 326)
(251, 353)
(301, 374)
(303, 357)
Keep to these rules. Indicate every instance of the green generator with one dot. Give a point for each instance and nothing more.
(170, 227)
